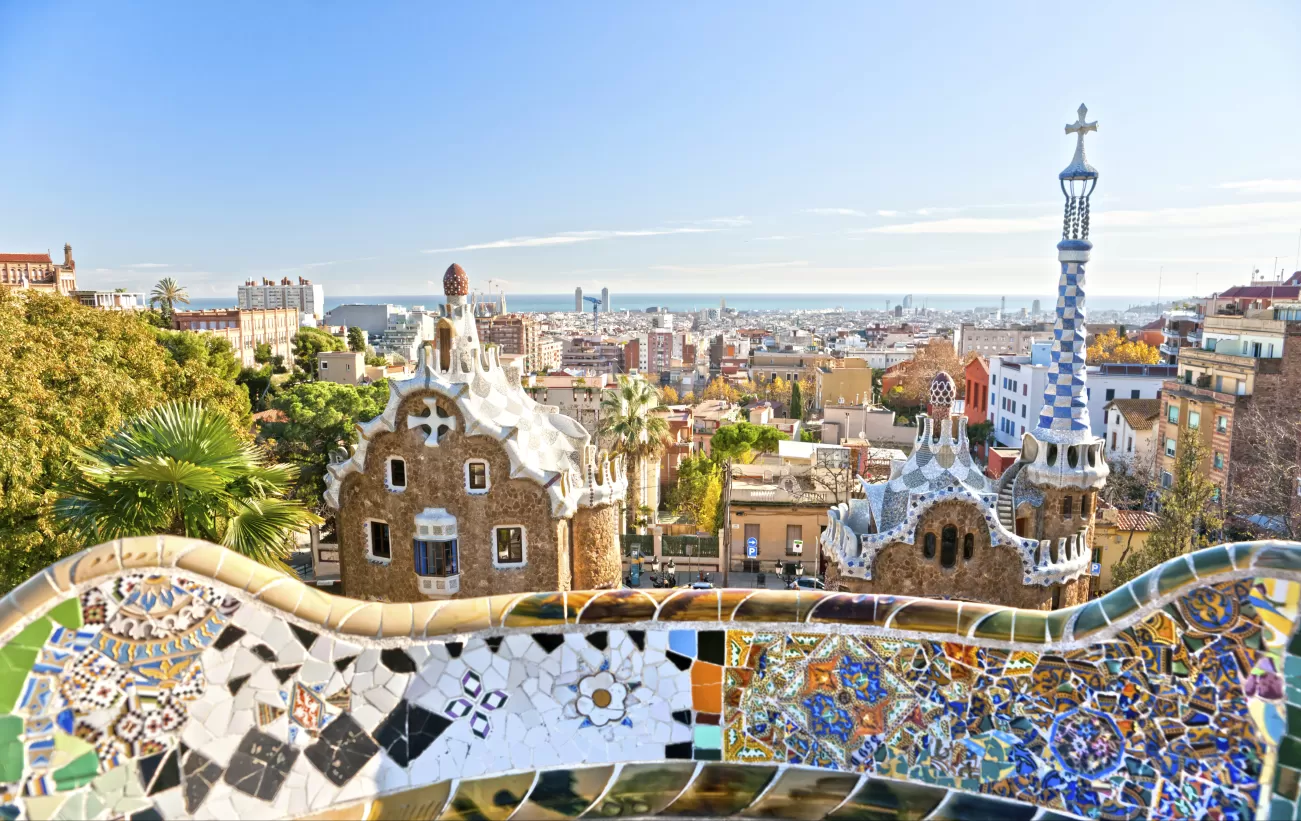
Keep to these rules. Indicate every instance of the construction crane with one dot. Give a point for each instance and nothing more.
(596, 303)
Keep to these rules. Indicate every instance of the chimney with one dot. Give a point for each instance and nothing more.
(67, 256)
(285, 281)
(302, 281)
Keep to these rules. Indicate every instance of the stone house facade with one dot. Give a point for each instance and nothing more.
(464, 486)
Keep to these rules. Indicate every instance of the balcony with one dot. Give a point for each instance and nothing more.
(1175, 388)
(440, 587)
(1233, 359)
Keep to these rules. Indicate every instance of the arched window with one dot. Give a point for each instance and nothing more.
(928, 546)
(1085, 501)
(948, 546)
(968, 547)
(1067, 505)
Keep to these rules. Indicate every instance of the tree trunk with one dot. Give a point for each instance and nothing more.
(634, 488)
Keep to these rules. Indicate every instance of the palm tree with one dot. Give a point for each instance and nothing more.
(167, 293)
(182, 468)
(628, 421)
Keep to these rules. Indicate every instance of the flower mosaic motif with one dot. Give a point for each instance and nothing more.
(600, 698)
(476, 702)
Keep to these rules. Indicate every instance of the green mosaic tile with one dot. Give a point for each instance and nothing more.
(803, 795)
(1118, 603)
(68, 613)
(1059, 620)
(1141, 588)
(78, 772)
(1278, 808)
(1277, 557)
(1285, 782)
(997, 626)
(1089, 621)
(1211, 561)
(11, 749)
(1174, 575)
(538, 609)
(1289, 752)
(565, 793)
(964, 807)
(17, 658)
(1030, 627)
(849, 608)
(643, 789)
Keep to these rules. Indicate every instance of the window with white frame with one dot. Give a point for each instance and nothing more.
(476, 476)
(1167, 479)
(1169, 447)
(1194, 420)
(378, 546)
(396, 475)
(509, 546)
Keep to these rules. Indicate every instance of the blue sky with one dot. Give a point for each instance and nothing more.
(840, 147)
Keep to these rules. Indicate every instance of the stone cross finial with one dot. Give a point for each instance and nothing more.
(436, 422)
(1080, 128)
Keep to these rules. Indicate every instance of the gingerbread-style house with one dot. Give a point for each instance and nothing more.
(464, 486)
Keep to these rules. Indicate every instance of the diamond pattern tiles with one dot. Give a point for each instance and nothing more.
(219, 709)
(1066, 411)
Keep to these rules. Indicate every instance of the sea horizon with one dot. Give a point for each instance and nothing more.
(689, 303)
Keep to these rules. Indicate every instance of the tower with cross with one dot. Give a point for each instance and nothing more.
(1050, 494)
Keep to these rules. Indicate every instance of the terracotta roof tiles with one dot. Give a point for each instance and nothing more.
(42, 258)
(1140, 414)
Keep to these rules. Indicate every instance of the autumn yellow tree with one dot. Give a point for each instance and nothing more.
(720, 389)
(937, 355)
(669, 396)
(1112, 347)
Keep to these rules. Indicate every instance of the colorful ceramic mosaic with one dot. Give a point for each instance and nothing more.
(136, 686)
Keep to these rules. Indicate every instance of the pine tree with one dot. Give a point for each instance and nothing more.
(797, 402)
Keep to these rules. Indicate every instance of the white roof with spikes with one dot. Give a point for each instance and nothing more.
(543, 445)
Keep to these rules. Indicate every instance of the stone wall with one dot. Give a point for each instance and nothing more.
(168, 678)
(597, 553)
(992, 574)
(436, 478)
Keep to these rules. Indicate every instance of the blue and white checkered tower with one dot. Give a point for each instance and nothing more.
(1065, 415)
(1062, 451)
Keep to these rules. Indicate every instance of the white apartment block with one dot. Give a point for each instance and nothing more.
(309, 299)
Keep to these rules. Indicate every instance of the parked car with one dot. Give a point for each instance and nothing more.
(805, 583)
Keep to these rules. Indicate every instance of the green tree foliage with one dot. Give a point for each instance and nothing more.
(807, 435)
(356, 339)
(321, 417)
(166, 294)
(1186, 518)
(206, 370)
(262, 353)
(308, 343)
(742, 441)
(70, 376)
(629, 422)
(797, 402)
(183, 469)
(698, 493)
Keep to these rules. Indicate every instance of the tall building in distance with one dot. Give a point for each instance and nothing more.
(908, 301)
(245, 329)
(38, 272)
(303, 296)
(578, 300)
(605, 300)
(513, 334)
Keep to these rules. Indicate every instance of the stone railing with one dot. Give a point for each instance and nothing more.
(163, 677)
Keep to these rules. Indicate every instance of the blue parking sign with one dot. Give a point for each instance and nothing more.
(751, 548)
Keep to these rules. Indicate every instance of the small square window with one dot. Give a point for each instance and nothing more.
(476, 476)
(1169, 447)
(1221, 424)
(508, 545)
(1133, 394)
(1194, 420)
(1172, 414)
(377, 540)
(1111, 394)
(1218, 461)
(397, 474)
(1166, 479)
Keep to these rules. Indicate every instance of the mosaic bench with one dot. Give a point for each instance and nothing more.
(168, 678)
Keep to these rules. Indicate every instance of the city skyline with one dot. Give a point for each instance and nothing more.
(670, 149)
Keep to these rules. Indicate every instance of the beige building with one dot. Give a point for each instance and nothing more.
(245, 330)
(1115, 534)
(38, 272)
(987, 342)
(344, 367)
(550, 353)
(841, 381)
(464, 486)
(765, 366)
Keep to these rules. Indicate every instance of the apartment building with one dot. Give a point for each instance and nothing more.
(767, 365)
(842, 380)
(245, 329)
(303, 296)
(1011, 341)
(594, 355)
(513, 334)
(976, 394)
(343, 367)
(1131, 430)
(1243, 360)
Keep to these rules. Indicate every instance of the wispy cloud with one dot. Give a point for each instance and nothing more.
(773, 238)
(836, 212)
(571, 237)
(729, 267)
(716, 222)
(149, 265)
(888, 213)
(1264, 186)
(1256, 217)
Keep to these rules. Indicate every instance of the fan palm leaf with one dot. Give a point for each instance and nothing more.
(181, 468)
